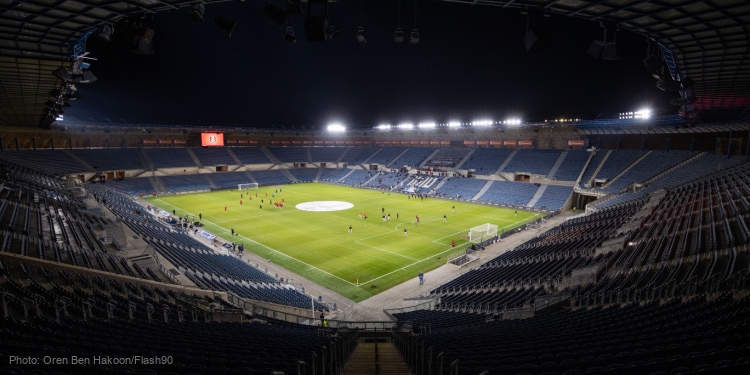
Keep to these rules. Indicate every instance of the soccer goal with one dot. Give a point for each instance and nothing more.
(248, 186)
(482, 233)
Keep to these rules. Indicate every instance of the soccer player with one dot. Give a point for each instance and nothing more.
(200, 216)
(516, 213)
(350, 228)
(232, 229)
(406, 234)
(225, 208)
(453, 208)
(240, 202)
(384, 218)
(417, 219)
(445, 218)
(453, 243)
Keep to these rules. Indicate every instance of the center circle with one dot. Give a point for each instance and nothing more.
(324, 206)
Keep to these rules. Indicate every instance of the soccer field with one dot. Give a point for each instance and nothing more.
(315, 242)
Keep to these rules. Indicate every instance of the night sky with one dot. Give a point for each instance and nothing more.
(470, 63)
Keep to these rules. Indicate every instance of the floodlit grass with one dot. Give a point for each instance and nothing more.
(318, 245)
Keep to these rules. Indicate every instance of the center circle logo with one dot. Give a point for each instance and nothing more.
(324, 206)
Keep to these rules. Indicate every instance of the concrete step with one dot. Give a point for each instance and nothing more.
(363, 360)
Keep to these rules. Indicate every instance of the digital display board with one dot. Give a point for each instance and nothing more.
(212, 139)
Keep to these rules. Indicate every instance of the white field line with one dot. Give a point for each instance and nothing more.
(290, 257)
(416, 261)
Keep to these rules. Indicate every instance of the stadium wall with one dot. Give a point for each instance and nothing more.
(540, 137)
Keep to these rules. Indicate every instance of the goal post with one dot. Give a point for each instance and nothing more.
(248, 186)
(482, 233)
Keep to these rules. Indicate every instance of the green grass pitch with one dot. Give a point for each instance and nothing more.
(318, 245)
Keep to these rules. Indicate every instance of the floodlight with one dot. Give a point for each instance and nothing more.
(398, 35)
(336, 128)
(454, 124)
(196, 13)
(512, 121)
(643, 114)
(384, 127)
(406, 126)
(482, 122)
(289, 35)
(414, 36)
(426, 125)
(361, 35)
(74, 77)
(72, 96)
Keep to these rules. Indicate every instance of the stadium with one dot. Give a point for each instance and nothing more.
(602, 245)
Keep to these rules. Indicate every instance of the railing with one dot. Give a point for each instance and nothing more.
(429, 305)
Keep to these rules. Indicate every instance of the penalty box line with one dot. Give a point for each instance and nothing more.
(395, 230)
(404, 267)
(440, 253)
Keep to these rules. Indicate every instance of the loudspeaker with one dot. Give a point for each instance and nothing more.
(137, 40)
(529, 39)
(225, 24)
(315, 28)
(276, 14)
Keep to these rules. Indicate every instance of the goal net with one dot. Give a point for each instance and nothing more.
(482, 233)
(248, 186)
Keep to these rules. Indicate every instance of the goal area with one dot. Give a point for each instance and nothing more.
(482, 233)
(248, 186)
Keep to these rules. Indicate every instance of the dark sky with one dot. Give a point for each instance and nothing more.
(470, 63)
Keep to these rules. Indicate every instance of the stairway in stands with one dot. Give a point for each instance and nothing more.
(369, 354)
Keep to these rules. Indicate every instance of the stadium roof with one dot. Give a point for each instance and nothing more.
(709, 41)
